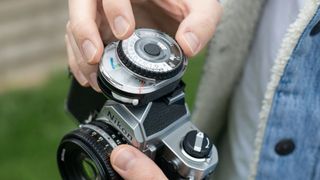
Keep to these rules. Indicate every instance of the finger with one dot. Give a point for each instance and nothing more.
(120, 17)
(84, 29)
(199, 25)
(88, 70)
(131, 164)
(74, 65)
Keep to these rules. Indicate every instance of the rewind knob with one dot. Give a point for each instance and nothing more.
(197, 144)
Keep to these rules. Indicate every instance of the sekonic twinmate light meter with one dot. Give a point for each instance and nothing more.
(141, 68)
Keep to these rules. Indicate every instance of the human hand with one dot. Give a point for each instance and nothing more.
(96, 22)
(131, 164)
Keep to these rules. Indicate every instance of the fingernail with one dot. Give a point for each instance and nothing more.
(120, 26)
(94, 82)
(89, 50)
(124, 159)
(192, 41)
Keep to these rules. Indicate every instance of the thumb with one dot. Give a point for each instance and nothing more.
(131, 164)
(198, 26)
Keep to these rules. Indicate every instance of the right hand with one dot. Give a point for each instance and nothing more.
(132, 164)
(94, 23)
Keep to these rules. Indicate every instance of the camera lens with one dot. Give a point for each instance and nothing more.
(85, 153)
(89, 169)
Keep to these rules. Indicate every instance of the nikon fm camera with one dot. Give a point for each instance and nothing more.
(143, 105)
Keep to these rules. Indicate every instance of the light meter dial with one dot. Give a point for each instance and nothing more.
(145, 67)
(151, 54)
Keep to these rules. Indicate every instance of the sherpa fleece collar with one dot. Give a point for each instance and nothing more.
(288, 44)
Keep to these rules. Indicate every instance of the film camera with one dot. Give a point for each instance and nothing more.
(143, 105)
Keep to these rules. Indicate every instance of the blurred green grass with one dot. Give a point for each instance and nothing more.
(32, 122)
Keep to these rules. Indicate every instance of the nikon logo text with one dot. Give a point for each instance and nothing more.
(119, 125)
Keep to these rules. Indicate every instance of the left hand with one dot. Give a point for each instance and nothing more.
(94, 23)
(131, 164)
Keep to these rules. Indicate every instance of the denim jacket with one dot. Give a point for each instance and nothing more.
(287, 144)
(290, 147)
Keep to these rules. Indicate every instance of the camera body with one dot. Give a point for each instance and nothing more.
(159, 129)
(144, 108)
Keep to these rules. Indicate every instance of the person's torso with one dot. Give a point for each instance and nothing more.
(248, 96)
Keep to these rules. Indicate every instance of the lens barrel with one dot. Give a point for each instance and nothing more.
(85, 153)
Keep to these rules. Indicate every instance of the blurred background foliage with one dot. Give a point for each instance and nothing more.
(34, 84)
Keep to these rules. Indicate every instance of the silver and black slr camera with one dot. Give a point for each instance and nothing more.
(143, 105)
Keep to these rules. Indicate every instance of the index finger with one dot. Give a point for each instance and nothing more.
(84, 28)
(82, 9)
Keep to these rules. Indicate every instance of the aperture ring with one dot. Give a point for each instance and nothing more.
(102, 133)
